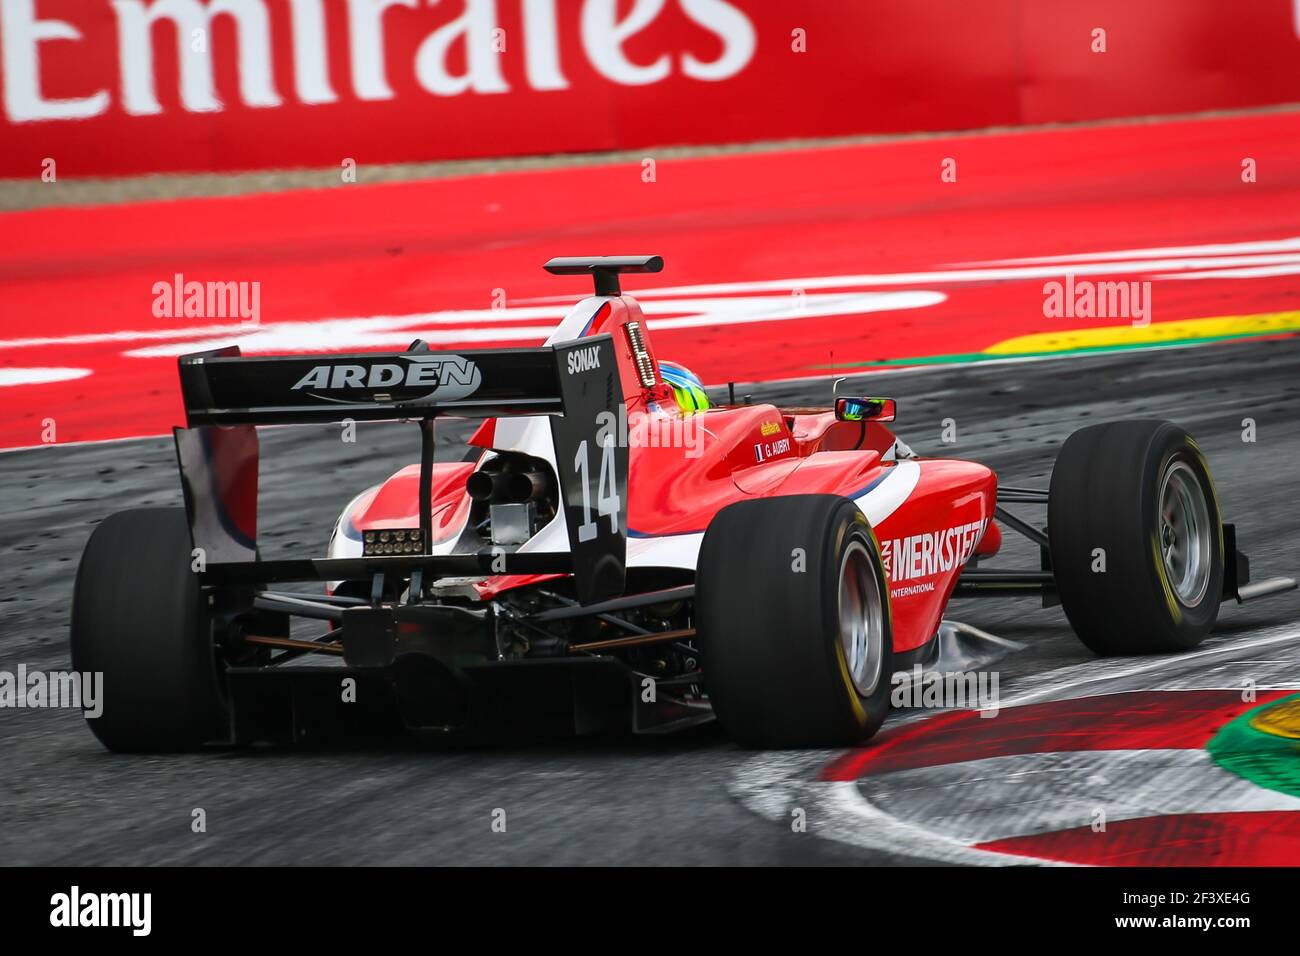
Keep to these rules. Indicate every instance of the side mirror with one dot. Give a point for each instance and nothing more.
(865, 409)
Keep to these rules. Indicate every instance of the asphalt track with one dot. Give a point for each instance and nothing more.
(780, 264)
(691, 799)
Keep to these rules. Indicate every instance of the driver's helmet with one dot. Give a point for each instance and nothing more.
(687, 388)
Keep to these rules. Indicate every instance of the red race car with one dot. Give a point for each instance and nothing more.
(615, 552)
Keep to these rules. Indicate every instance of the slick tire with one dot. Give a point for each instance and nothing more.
(793, 616)
(138, 617)
(1136, 538)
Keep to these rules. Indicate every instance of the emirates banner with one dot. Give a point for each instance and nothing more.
(117, 87)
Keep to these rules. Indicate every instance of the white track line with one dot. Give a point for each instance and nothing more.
(775, 784)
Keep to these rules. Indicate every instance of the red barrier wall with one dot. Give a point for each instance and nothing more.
(104, 88)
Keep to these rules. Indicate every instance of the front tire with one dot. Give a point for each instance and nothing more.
(792, 609)
(1136, 538)
(139, 618)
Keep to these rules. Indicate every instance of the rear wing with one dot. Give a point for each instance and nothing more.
(227, 395)
(224, 388)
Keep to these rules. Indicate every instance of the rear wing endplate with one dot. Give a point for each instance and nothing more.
(227, 395)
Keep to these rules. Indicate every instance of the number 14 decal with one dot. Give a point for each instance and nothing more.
(607, 500)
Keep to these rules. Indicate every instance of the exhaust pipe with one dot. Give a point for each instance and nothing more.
(486, 485)
(506, 487)
(525, 486)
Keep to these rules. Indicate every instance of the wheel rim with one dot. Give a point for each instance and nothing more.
(861, 618)
(1185, 535)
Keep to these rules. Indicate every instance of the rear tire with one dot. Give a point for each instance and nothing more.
(792, 610)
(138, 617)
(1140, 492)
